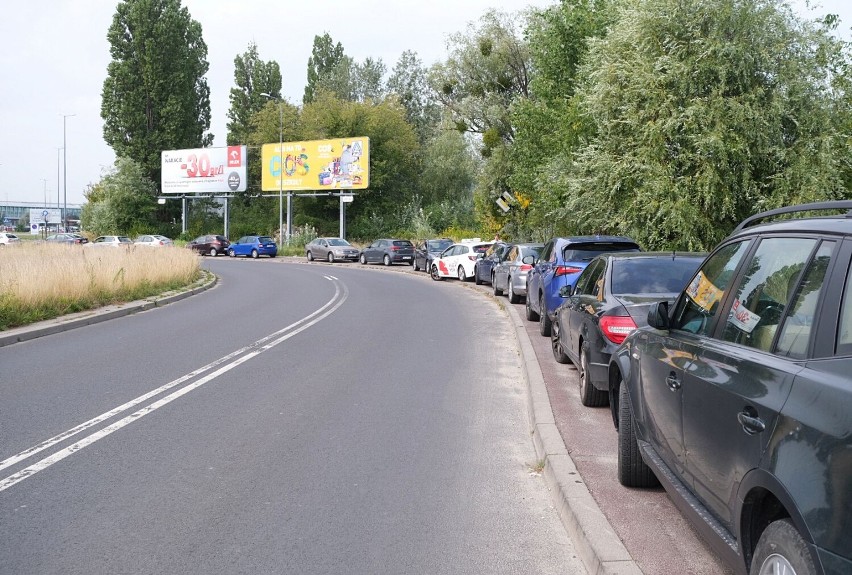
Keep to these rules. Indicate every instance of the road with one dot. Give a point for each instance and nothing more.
(294, 419)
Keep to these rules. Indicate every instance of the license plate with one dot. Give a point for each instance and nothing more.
(406, 257)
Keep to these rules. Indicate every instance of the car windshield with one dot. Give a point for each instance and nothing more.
(338, 242)
(586, 253)
(652, 275)
(438, 245)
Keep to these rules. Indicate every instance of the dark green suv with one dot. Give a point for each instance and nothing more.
(738, 396)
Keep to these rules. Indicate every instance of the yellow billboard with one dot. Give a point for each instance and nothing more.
(338, 164)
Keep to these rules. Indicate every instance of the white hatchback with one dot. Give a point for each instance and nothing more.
(7, 239)
(458, 260)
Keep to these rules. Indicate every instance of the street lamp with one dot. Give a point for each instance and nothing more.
(65, 173)
(280, 170)
(57, 177)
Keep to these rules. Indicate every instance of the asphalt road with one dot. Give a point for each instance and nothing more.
(294, 419)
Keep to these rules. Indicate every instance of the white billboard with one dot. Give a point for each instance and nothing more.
(44, 216)
(204, 170)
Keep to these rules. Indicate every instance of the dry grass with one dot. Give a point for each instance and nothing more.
(43, 281)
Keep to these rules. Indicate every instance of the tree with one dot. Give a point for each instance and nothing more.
(408, 82)
(367, 80)
(328, 70)
(155, 96)
(704, 112)
(122, 202)
(253, 77)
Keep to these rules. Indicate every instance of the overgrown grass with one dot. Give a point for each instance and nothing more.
(43, 281)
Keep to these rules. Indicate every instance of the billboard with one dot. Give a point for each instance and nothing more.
(45, 216)
(338, 164)
(204, 170)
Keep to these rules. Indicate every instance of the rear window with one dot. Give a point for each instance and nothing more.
(652, 275)
(587, 252)
(265, 240)
(402, 243)
(481, 248)
(527, 251)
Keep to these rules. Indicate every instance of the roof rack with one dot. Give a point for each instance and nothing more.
(816, 206)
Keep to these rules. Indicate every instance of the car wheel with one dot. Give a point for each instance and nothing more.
(531, 315)
(387, 260)
(476, 279)
(513, 297)
(494, 286)
(212, 253)
(556, 345)
(363, 259)
(632, 470)
(781, 550)
(254, 254)
(232, 253)
(330, 257)
(462, 276)
(434, 273)
(309, 254)
(590, 396)
(543, 319)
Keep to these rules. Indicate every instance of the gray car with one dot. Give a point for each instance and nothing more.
(509, 276)
(331, 250)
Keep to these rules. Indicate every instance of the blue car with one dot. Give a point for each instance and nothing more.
(560, 264)
(254, 246)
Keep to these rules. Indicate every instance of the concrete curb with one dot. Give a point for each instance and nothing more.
(89, 317)
(597, 543)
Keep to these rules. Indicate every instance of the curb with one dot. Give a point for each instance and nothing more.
(597, 543)
(89, 317)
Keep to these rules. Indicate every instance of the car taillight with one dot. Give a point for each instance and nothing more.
(566, 270)
(162, 243)
(617, 327)
(525, 267)
(395, 248)
(472, 258)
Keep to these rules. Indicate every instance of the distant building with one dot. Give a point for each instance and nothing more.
(14, 213)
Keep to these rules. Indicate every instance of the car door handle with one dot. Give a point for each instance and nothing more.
(673, 382)
(751, 423)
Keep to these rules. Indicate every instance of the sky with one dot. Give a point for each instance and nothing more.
(54, 57)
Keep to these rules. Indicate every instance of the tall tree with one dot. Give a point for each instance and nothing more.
(122, 202)
(155, 96)
(367, 80)
(253, 78)
(705, 111)
(408, 82)
(328, 69)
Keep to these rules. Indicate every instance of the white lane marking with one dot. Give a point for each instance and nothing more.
(257, 348)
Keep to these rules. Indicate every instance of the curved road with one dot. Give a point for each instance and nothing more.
(294, 419)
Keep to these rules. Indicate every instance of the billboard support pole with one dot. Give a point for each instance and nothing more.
(183, 214)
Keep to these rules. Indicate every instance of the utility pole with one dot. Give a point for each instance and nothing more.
(65, 173)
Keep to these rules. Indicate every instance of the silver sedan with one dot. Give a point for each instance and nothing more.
(332, 250)
(510, 274)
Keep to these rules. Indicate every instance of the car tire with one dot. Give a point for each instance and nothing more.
(433, 273)
(212, 253)
(544, 322)
(363, 259)
(632, 469)
(386, 260)
(232, 253)
(461, 275)
(330, 257)
(494, 287)
(309, 254)
(416, 265)
(476, 279)
(531, 315)
(513, 297)
(781, 549)
(590, 396)
(254, 254)
(556, 345)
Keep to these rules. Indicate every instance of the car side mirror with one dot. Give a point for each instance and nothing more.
(658, 315)
(566, 291)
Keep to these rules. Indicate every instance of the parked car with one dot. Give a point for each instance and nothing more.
(483, 268)
(254, 246)
(738, 396)
(331, 250)
(388, 252)
(111, 241)
(7, 239)
(153, 240)
(67, 238)
(560, 264)
(458, 260)
(210, 245)
(426, 251)
(510, 274)
(611, 299)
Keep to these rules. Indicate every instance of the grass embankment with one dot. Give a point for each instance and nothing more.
(43, 281)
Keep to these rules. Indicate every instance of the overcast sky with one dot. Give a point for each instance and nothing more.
(55, 54)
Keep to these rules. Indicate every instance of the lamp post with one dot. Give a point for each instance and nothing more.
(280, 170)
(57, 177)
(65, 173)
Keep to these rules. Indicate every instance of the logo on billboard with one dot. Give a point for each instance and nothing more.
(234, 181)
(235, 156)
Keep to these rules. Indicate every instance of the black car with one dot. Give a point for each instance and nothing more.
(388, 252)
(738, 396)
(611, 299)
(483, 269)
(426, 251)
(210, 245)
